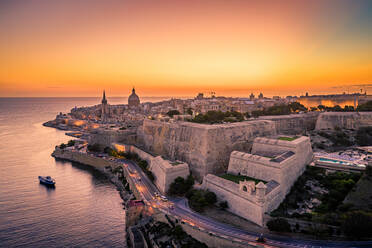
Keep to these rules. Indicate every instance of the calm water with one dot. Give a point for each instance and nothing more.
(84, 210)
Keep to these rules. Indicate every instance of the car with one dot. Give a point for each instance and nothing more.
(261, 239)
(163, 198)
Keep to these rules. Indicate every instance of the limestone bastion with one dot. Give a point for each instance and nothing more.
(164, 171)
(206, 148)
(344, 120)
(293, 124)
(277, 162)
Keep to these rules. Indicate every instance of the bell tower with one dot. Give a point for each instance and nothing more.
(104, 108)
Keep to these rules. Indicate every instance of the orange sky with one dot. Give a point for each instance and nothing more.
(178, 48)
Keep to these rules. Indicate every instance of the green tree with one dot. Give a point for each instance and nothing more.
(358, 225)
(173, 112)
(223, 205)
(365, 106)
(189, 111)
(279, 225)
(296, 106)
(71, 143)
(210, 197)
(321, 107)
(364, 136)
(94, 147)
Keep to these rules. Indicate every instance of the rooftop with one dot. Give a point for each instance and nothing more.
(238, 178)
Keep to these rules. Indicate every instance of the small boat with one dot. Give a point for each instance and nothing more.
(47, 180)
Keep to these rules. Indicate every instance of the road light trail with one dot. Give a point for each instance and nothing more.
(147, 189)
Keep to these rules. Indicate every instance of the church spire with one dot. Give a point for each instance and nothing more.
(104, 101)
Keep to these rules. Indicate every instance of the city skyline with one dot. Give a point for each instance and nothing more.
(168, 48)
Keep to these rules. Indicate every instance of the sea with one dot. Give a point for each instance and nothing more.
(83, 210)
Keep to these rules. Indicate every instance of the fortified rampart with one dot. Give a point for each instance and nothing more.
(206, 148)
(106, 137)
(345, 120)
(83, 158)
(96, 162)
(204, 235)
(276, 161)
(245, 199)
(166, 171)
(270, 160)
(293, 124)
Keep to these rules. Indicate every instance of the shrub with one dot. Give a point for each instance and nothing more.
(180, 186)
(365, 106)
(71, 143)
(210, 197)
(364, 136)
(173, 112)
(358, 225)
(94, 148)
(224, 205)
(189, 111)
(212, 117)
(62, 146)
(197, 199)
(279, 225)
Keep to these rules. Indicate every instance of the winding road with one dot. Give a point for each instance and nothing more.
(179, 209)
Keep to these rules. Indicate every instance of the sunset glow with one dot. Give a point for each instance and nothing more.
(178, 48)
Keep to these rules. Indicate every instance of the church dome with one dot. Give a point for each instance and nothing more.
(133, 100)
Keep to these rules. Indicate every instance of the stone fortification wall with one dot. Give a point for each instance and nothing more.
(165, 173)
(96, 162)
(142, 154)
(203, 235)
(294, 123)
(107, 137)
(206, 148)
(345, 120)
(285, 172)
(256, 166)
(245, 205)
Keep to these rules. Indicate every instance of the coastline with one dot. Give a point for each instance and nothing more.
(112, 177)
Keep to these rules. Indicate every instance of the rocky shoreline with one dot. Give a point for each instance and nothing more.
(107, 171)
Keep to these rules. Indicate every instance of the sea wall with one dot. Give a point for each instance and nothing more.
(206, 148)
(344, 120)
(96, 162)
(84, 158)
